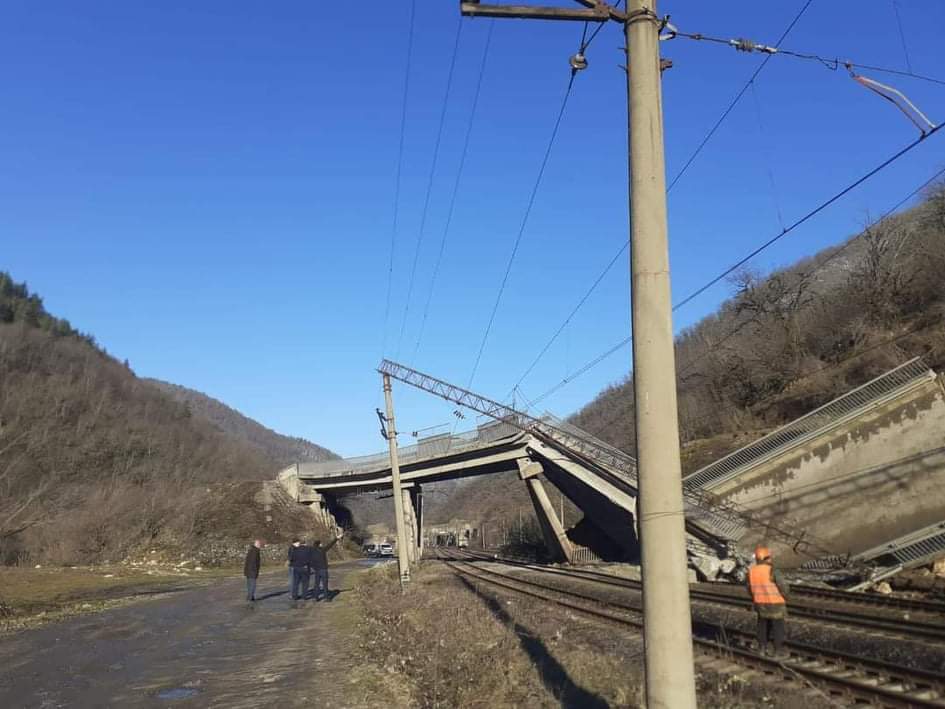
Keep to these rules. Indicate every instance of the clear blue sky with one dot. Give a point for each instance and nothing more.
(208, 188)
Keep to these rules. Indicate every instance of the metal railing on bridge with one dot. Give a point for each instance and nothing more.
(906, 552)
(722, 519)
(424, 449)
(882, 388)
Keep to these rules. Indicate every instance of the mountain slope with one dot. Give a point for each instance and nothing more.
(789, 341)
(281, 449)
(783, 344)
(95, 462)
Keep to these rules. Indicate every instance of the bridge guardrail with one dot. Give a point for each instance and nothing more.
(430, 447)
(810, 425)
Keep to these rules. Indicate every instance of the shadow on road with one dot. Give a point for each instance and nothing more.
(272, 594)
(553, 675)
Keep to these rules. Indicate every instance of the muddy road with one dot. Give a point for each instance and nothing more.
(201, 647)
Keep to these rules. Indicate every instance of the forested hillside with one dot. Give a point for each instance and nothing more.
(791, 340)
(95, 461)
(284, 450)
(783, 344)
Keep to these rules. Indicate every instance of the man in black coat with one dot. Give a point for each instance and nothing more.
(298, 567)
(251, 569)
(318, 561)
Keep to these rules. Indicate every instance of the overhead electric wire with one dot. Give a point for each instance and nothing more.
(841, 249)
(459, 174)
(685, 167)
(578, 372)
(902, 35)
(766, 151)
(823, 205)
(400, 160)
(738, 97)
(832, 63)
(429, 191)
(567, 320)
(819, 208)
(521, 231)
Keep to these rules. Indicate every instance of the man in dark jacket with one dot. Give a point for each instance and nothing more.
(298, 568)
(318, 561)
(251, 569)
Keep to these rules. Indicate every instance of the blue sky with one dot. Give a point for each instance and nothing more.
(208, 187)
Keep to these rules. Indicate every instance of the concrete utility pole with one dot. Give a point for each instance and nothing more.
(667, 630)
(670, 680)
(403, 561)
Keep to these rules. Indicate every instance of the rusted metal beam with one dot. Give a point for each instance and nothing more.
(530, 12)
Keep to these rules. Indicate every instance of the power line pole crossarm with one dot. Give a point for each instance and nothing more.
(670, 680)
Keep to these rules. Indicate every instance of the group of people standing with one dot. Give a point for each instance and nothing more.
(306, 562)
(309, 562)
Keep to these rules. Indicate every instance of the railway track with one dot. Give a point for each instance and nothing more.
(906, 604)
(897, 603)
(900, 626)
(841, 675)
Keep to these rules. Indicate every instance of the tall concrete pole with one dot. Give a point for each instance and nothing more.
(403, 561)
(670, 681)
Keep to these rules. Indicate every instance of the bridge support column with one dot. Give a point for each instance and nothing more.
(417, 498)
(327, 517)
(551, 528)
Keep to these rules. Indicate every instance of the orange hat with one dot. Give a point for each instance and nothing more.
(762, 553)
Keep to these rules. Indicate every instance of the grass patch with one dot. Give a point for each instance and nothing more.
(31, 597)
(453, 643)
(446, 648)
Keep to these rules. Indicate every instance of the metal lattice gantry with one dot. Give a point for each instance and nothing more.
(581, 443)
(722, 518)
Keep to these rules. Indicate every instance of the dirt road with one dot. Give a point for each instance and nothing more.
(204, 647)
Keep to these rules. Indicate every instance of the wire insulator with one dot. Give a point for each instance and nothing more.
(743, 44)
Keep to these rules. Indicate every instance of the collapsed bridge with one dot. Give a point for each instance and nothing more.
(769, 491)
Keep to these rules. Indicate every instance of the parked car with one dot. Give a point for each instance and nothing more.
(370, 549)
(386, 549)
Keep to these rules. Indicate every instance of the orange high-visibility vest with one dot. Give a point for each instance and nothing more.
(764, 591)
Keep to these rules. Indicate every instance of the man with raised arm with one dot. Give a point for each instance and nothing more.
(318, 561)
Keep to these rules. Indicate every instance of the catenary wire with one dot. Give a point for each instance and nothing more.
(902, 35)
(832, 63)
(766, 152)
(823, 205)
(624, 342)
(456, 182)
(676, 179)
(521, 231)
(737, 98)
(400, 160)
(429, 190)
(841, 249)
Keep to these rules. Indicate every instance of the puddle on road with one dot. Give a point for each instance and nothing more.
(177, 693)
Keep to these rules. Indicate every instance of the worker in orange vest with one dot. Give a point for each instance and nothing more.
(768, 593)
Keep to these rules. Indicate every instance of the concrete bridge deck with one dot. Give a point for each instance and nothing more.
(606, 496)
(862, 470)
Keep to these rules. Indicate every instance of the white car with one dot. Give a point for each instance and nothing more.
(385, 549)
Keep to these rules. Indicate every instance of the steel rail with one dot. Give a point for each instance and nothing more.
(901, 627)
(917, 605)
(871, 680)
(911, 604)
